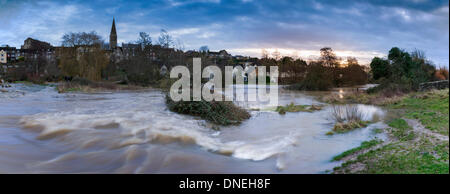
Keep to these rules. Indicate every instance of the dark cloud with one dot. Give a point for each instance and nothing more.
(366, 26)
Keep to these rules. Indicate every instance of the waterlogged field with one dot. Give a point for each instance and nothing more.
(42, 131)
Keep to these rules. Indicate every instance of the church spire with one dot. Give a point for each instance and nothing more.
(113, 36)
(113, 28)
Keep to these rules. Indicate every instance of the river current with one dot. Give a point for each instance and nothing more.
(42, 131)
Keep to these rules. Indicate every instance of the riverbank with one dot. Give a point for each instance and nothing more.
(94, 87)
(418, 138)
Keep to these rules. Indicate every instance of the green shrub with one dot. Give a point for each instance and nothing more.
(297, 108)
(401, 71)
(318, 77)
(217, 112)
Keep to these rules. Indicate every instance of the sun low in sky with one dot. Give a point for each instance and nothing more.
(363, 29)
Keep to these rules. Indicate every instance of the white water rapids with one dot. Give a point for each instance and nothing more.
(42, 131)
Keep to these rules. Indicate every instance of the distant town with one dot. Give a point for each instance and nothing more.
(144, 62)
(34, 50)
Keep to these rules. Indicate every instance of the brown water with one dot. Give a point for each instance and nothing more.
(42, 131)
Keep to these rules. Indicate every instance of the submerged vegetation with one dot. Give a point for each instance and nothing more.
(347, 118)
(379, 99)
(348, 126)
(217, 112)
(297, 108)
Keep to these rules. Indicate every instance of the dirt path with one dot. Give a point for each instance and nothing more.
(416, 126)
(419, 128)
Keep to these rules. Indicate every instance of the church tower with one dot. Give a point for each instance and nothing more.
(113, 36)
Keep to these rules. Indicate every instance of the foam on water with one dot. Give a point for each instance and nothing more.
(157, 127)
(99, 125)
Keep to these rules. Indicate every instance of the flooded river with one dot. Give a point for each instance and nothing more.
(42, 131)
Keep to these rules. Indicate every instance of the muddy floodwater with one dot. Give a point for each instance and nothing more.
(42, 131)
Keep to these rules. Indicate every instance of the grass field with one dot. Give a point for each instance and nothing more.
(418, 140)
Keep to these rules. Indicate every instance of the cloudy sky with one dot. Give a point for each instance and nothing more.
(363, 28)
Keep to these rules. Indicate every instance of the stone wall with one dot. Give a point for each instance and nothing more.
(433, 85)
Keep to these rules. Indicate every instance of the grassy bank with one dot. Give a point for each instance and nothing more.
(418, 139)
(430, 108)
(379, 99)
(32, 83)
(86, 86)
(364, 145)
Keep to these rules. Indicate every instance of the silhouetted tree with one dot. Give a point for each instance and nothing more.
(165, 39)
(203, 49)
(353, 73)
(402, 71)
(144, 39)
(318, 77)
(380, 68)
(81, 39)
(330, 60)
(328, 57)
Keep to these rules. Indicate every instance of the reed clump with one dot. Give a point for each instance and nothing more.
(347, 118)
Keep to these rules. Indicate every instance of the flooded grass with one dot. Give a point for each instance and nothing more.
(297, 108)
(362, 98)
(347, 118)
(348, 126)
(364, 145)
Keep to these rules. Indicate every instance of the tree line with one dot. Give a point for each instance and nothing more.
(322, 74)
(83, 55)
(403, 71)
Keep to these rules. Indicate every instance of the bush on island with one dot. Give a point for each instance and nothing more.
(217, 112)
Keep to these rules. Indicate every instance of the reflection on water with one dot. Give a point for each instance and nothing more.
(132, 132)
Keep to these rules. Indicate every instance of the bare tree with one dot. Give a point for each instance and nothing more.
(180, 45)
(144, 39)
(165, 39)
(328, 57)
(330, 60)
(352, 61)
(81, 39)
(203, 49)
